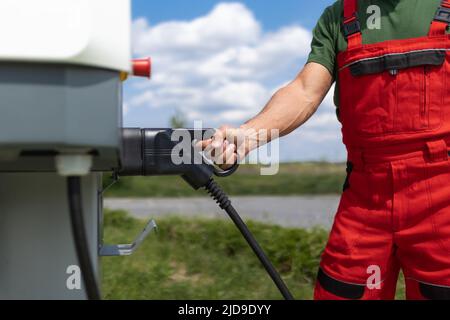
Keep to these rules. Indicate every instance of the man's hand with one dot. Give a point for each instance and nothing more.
(229, 145)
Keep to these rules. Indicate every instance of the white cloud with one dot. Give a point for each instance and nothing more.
(230, 24)
(221, 65)
(222, 68)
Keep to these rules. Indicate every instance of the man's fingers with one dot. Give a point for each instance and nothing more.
(228, 158)
(220, 136)
(203, 144)
(230, 155)
(218, 139)
(222, 147)
(220, 154)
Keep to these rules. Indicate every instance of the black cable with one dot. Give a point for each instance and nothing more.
(222, 199)
(80, 238)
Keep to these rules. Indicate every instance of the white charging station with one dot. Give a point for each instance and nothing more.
(60, 113)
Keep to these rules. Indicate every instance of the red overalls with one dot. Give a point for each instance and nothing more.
(395, 211)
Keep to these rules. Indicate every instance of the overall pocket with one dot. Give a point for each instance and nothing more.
(366, 102)
(395, 94)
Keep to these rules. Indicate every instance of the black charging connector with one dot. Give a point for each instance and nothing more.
(149, 152)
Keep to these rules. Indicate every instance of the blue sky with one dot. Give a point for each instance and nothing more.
(273, 14)
(220, 61)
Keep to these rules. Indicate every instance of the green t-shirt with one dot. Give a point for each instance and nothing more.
(399, 19)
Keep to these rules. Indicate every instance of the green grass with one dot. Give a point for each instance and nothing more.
(208, 260)
(292, 179)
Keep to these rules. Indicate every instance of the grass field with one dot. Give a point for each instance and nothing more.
(293, 179)
(207, 259)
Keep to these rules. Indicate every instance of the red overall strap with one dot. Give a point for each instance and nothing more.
(441, 20)
(352, 26)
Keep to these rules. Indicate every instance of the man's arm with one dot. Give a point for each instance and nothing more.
(293, 105)
(289, 108)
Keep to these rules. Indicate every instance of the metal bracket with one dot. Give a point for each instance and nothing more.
(115, 178)
(128, 249)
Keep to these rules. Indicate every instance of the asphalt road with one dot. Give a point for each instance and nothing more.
(304, 212)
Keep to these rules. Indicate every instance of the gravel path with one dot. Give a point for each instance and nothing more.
(304, 212)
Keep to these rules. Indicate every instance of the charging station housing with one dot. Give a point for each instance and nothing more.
(60, 66)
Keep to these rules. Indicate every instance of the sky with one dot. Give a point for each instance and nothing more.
(221, 61)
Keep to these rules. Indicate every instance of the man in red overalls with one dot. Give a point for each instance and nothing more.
(393, 97)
